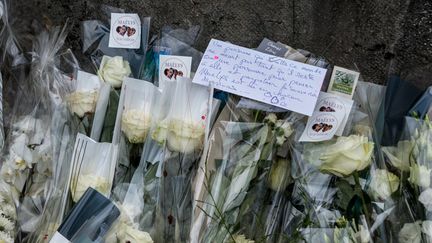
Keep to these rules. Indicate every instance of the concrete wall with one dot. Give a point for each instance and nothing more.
(379, 37)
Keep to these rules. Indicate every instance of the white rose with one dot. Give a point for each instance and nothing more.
(399, 156)
(419, 175)
(383, 184)
(185, 137)
(161, 132)
(410, 233)
(132, 235)
(426, 199)
(113, 69)
(135, 125)
(347, 155)
(78, 187)
(82, 102)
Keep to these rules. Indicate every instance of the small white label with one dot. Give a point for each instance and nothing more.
(329, 118)
(173, 67)
(125, 31)
(273, 80)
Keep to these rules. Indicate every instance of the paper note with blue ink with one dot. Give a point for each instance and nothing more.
(277, 81)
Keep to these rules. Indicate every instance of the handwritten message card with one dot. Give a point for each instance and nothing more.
(280, 82)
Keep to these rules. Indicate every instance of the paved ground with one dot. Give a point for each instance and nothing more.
(379, 37)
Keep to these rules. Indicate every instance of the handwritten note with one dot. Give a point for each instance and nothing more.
(273, 80)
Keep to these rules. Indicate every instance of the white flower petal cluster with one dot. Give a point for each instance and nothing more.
(283, 131)
(83, 182)
(160, 134)
(135, 125)
(282, 128)
(125, 231)
(82, 102)
(410, 233)
(347, 155)
(30, 145)
(5, 237)
(399, 156)
(426, 199)
(181, 136)
(271, 119)
(7, 215)
(422, 145)
(427, 228)
(383, 184)
(128, 233)
(420, 175)
(185, 137)
(113, 69)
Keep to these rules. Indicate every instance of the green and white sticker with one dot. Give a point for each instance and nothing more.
(343, 82)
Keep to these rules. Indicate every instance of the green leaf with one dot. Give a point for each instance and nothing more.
(344, 194)
(110, 116)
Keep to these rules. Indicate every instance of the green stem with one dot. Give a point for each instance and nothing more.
(256, 115)
(360, 192)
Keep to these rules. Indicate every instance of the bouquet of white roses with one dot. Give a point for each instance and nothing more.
(242, 184)
(135, 117)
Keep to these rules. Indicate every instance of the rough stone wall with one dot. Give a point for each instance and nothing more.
(377, 37)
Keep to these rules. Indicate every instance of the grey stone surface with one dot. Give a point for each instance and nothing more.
(377, 37)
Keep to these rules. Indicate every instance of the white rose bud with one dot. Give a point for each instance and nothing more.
(82, 102)
(347, 155)
(426, 199)
(135, 125)
(113, 69)
(419, 175)
(383, 184)
(399, 156)
(185, 137)
(410, 233)
(279, 176)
